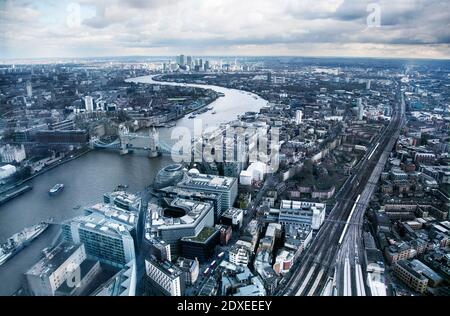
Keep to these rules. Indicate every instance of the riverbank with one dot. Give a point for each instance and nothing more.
(231, 103)
(162, 79)
(46, 169)
(169, 124)
(87, 178)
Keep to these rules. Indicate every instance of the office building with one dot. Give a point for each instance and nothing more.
(123, 200)
(254, 173)
(202, 246)
(273, 233)
(29, 89)
(164, 278)
(62, 137)
(190, 269)
(89, 104)
(233, 217)
(159, 249)
(189, 61)
(298, 117)
(398, 252)
(59, 265)
(181, 60)
(360, 109)
(412, 277)
(434, 279)
(105, 239)
(129, 218)
(299, 214)
(64, 125)
(227, 187)
(239, 255)
(169, 176)
(123, 283)
(176, 219)
(214, 198)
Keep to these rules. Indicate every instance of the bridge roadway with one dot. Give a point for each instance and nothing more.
(162, 147)
(317, 263)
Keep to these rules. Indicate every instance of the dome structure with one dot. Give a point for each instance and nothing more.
(169, 176)
(194, 172)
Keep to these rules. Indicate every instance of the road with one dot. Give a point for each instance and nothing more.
(318, 262)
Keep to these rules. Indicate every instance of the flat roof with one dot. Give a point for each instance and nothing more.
(194, 212)
(426, 271)
(85, 267)
(203, 236)
(102, 224)
(124, 196)
(167, 267)
(209, 181)
(232, 212)
(56, 257)
(407, 265)
(115, 213)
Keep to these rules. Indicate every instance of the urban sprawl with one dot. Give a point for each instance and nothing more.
(351, 198)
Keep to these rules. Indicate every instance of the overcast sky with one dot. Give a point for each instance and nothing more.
(52, 28)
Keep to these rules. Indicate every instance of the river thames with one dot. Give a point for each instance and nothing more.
(87, 178)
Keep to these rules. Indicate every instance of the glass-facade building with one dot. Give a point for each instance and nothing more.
(226, 186)
(104, 240)
(169, 176)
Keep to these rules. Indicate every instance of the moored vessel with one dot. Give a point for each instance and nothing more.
(20, 240)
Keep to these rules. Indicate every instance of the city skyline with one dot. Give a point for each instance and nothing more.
(243, 151)
(330, 28)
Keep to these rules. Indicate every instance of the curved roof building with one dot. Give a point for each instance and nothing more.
(169, 176)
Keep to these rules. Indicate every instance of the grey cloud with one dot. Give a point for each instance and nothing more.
(169, 25)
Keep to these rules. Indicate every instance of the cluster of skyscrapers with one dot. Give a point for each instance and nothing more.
(190, 63)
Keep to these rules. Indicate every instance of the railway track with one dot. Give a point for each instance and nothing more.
(319, 261)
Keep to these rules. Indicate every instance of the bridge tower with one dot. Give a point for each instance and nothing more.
(92, 142)
(154, 150)
(124, 140)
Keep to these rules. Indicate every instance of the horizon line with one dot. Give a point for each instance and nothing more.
(4, 60)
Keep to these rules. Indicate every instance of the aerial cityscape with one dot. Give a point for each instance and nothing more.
(272, 148)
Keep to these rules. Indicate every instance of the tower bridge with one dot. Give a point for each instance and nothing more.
(127, 142)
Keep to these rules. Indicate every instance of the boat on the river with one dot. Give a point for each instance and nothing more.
(56, 189)
(20, 240)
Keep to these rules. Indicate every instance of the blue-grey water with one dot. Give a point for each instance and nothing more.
(88, 177)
